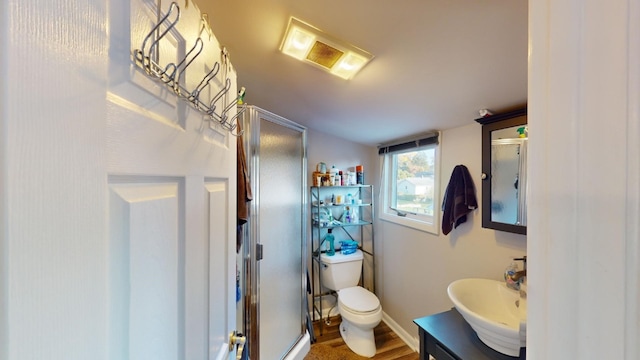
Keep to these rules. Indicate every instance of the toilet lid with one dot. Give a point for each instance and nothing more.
(358, 299)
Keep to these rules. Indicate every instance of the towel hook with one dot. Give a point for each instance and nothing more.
(195, 94)
(182, 67)
(228, 108)
(141, 55)
(235, 117)
(172, 75)
(220, 94)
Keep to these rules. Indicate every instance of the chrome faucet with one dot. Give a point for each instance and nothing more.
(514, 280)
(518, 276)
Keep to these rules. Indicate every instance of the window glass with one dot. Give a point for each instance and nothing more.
(410, 188)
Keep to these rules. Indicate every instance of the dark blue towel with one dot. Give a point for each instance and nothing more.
(459, 199)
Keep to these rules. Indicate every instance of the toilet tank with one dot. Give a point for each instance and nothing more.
(340, 271)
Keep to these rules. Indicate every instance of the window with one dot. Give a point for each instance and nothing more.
(410, 194)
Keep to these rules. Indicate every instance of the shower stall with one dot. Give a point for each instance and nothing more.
(272, 266)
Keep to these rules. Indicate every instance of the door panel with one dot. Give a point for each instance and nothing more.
(146, 268)
(221, 261)
(152, 133)
(120, 220)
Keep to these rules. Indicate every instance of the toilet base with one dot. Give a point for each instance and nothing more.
(361, 342)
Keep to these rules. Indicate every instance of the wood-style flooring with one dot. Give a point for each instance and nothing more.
(389, 345)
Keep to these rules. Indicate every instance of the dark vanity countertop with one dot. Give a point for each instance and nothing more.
(451, 330)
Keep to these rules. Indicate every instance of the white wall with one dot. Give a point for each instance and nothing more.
(584, 203)
(413, 268)
(4, 259)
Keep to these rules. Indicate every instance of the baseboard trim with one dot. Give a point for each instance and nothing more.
(412, 342)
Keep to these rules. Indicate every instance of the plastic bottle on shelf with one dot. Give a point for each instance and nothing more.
(335, 176)
(326, 217)
(330, 239)
(347, 215)
(354, 214)
(360, 175)
(352, 178)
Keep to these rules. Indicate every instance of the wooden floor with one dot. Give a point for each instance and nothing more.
(389, 345)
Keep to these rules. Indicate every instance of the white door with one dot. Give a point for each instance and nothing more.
(118, 210)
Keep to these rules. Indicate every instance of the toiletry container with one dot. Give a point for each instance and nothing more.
(334, 174)
(330, 239)
(360, 175)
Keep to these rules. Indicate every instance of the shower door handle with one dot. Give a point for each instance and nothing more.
(259, 252)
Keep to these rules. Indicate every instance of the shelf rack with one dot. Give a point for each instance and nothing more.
(361, 231)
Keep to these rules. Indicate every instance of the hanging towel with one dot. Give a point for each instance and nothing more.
(244, 194)
(459, 199)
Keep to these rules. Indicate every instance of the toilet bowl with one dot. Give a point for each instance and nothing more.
(359, 308)
(361, 312)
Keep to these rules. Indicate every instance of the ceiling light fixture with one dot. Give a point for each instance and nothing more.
(309, 44)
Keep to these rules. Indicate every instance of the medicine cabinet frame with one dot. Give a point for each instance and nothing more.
(490, 124)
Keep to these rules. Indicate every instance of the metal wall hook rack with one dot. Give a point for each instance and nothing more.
(172, 75)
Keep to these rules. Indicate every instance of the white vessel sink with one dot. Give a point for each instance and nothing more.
(495, 312)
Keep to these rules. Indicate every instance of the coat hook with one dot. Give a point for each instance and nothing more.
(182, 67)
(195, 94)
(141, 55)
(172, 74)
(204, 20)
(220, 94)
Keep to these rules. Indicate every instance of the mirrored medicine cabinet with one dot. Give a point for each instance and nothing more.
(504, 171)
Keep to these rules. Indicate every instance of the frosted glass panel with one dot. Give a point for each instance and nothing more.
(280, 212)
(505, 183)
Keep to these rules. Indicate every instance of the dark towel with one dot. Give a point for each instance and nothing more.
(459, 199)
(244, 194)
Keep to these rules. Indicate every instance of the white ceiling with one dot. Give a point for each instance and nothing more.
(437, 62)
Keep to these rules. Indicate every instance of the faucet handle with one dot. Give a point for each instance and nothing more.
(524, 261)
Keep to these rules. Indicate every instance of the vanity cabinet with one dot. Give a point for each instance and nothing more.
(329, 211)
(447, 336)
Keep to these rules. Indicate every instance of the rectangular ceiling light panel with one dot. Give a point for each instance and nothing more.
(308, 44)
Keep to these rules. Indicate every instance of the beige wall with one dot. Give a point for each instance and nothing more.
(333, 150)
(413, 268)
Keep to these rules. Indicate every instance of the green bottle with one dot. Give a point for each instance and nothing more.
(330, 239)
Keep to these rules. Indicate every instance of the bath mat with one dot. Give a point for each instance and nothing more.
(327, 352)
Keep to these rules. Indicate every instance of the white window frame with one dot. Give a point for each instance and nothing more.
(429, 224)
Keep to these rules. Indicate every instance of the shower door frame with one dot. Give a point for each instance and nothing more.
(252, 118)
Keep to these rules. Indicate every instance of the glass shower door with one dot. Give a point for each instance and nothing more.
(277, 153)
(281, 236)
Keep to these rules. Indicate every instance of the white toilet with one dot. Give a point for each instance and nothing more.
(360, 309)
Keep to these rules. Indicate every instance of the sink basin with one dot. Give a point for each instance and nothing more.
(495, 312)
